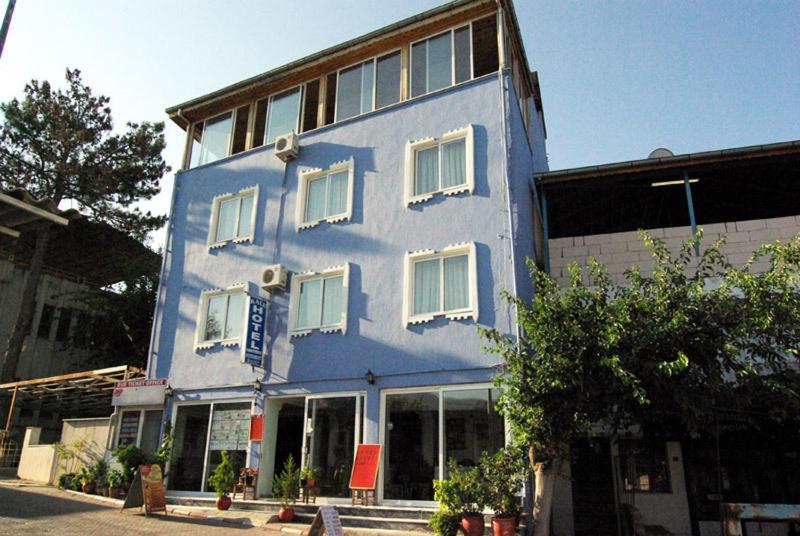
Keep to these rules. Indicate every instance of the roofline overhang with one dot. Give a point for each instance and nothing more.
(682, 161)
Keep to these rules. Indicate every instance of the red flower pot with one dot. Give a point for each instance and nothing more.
(472, 525)
(286, 514)
(504, 526)
(224, 502)
(88, 488)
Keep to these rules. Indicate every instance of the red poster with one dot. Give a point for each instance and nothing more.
(256, 427)
(365, 467)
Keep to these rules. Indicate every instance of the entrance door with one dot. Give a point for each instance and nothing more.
(333, 427)
(188, 459)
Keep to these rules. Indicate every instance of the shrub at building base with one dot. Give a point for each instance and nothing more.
(444, 523)
(503, 475)
(222, 481)
(114, 480)
(286, 487)
(462, 494)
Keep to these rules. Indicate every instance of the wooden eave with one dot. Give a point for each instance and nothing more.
(329, 60)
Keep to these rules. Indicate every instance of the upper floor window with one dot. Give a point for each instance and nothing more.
(219, 136)
(440, 165)
(319, 301)
(233, 217)
(368, 86)
(454, 56)
(283, 114)
(441, 283)
(325, 195)
(221, 317)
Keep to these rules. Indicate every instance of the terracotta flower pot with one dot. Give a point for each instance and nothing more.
(472, 525)
(224, 502)
(88, 488)
(286, 514)
(504, 526)
(114, 493)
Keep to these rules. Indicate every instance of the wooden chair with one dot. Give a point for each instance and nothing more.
(248, 483)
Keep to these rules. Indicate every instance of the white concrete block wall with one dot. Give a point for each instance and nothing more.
(619, 251)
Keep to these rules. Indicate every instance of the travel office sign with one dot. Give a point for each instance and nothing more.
(255, 332)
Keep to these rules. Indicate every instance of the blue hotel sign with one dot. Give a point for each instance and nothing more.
(256, 331)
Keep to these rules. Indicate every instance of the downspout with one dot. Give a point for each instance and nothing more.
(690, 204)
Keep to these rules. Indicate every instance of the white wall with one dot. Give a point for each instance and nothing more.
(36, 462)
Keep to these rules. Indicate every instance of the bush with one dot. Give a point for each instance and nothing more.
(463, 492)
(444, 523)
(115, 479)
(224, 478)
(503, 474)
(286, 485)
(65, 480)
(99, 472)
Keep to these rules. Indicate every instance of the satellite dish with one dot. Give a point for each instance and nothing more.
(661, 152)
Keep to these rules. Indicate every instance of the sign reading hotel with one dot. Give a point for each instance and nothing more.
(253, 347)
(139, 392)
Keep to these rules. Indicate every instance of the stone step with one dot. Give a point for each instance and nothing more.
(365, 522)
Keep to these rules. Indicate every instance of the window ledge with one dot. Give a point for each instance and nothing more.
(333, 219)
(457, 190)
(455, 315)
(324, 329)
(222, 244)
(460, 315)
(420, 199)
(421, 319)
(210, 344)
(300, 333)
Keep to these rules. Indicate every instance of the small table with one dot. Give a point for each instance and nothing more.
(310, 491)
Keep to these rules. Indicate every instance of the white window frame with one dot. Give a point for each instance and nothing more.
(142, 412)
(409, 318)
(215, 208)
(374, 61)
(452, 31)
(310, 175)
(294, 300)
(202, 317)
(298, 119)
(413, 147)
(233, 113)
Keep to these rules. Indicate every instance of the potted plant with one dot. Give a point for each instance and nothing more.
(115, 481)
(444, 523)
(286, 487)
(503, 475)
(100, 472)
(462, 494)
(86, 479)
(308, 477)
(222, 481)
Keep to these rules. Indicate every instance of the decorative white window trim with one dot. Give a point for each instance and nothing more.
(215, 208)
(202, 317)
(414, 146)
(302, 194)
(294, 300)
(411, 257)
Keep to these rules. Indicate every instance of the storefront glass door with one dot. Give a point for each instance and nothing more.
(188, 457)
(230, 430)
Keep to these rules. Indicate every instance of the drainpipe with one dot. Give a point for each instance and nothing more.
(545, 232)
(690, 205)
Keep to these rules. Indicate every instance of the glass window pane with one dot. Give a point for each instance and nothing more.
(367, 76)
(348, 93)
(215, 317)
(440, 67)
(151, 430)
(427, 171)
(226, 220)
(426, 286)
(485, 56)
(472, 425)
(330, 98)
(331, 443)
(456, 283)
(230, 430)
(461, 38)
(411, 446)
(388, 80)
(216, 137)
(245, 216)
(315, 205)
(284, 109)
(261, 123)
(337, 193)
(333, 300)
(240, 129)
(233, 324)
(311, 106)
(419, 68)
(197, 148)
(308, 307)
(128, 428)
(454, 163)
(189, 451)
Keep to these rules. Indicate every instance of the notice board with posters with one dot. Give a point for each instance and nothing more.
(364, 474)
(155, 499)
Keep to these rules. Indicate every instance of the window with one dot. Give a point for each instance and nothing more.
(64, 322)
(283, 114)
(440, 165)
(443, 283)
(45, 321)
(325, 195)
(319, 301)
(221, 317)
(233, 217)
(644, 466)
(128, 428)
(220, 136)
(367, 86)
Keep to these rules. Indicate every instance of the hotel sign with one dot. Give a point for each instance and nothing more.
(255, 333)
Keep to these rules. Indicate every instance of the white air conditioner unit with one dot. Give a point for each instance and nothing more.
(274, 277)
(287, 146)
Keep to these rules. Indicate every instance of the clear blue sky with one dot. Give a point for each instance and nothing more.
(618, 79)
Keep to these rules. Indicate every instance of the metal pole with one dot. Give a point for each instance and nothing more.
(690, 203)
(6, 24)
(546, 233)
(10, 417)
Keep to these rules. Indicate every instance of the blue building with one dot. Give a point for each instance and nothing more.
(339, 229)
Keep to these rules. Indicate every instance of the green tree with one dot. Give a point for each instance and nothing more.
(60, 144)
(667, 349)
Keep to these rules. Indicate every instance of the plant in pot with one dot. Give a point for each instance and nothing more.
(100, 471)
(115, 480)
(463, 494)
(308, 477)
(503, 474)
(286, 487)
(222, 481)
(86, 479)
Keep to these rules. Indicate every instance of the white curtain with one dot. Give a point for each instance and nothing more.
(337, 193)
(315, 206)
(427, 171)
(333, 294)
(454, 157)
(245, 216)
(308, 308)
(456, 283)
(426, 286)
(233, 322)
(226, 220)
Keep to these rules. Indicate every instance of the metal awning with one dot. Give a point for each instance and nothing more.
(85, 394)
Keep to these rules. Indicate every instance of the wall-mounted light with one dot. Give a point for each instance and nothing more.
(168, 391)
(257, 385)
(370, 377)
(673, 183)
